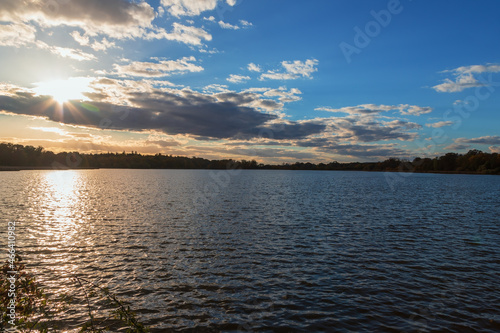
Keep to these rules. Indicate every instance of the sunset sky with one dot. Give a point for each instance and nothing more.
(276, 81)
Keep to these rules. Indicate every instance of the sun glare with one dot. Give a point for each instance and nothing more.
(64, 90)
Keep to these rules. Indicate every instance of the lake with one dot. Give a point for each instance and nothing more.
(267, 250)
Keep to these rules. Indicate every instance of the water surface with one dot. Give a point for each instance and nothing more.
(265, 250)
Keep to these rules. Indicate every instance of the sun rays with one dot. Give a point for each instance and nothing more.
(63, 91)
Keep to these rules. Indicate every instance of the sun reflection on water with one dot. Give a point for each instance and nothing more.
(60, 221)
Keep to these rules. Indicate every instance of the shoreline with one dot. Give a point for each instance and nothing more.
(27, 168)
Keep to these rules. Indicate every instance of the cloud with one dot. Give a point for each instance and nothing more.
(217, 115)
(370, 130)
(271, 152)
(17, 34)
(364, 123)
(245, 23)
(494, 149)
(79, 38)
(489, 68)
(283, 95)
(440, 124)
(161, 68)
(192, 7)
(149, 107)
(483, 140)
(364, 109)
(71, 53)
(237, 78)
(225, 25)
(103, 45)
(254, 68)
(354, 150)
(266, 99)
(181, 33)
(464, 77)
(116, 18)
(462, 82)
(249, 99)
(456, 146)
(216, 88)
(413, 110)
(20, 34)
(292, 70)
(84, 40)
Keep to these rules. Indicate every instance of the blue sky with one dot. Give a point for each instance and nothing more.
(276, 81)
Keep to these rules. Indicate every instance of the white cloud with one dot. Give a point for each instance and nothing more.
(71, 53)
(161, 12)
(225, 25)
(210, 18)
(79, 38)
(489, 68)
(245, 23)
(231, 2)
(293, 70)
(188, 7)
(84, 40)
(160, 68)
(17, 34)
(216, 88)
(414, 110)
(271, 75)
(464, 77)
(297, 67)
(181, 33)
(103, 45)
(440, 124)
(283, 95)
(461, 82)
(494, 149)
(254, 68)
(237, 78)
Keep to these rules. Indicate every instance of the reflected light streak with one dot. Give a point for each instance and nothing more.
(62, 216)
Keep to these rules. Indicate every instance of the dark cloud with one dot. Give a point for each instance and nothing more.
(289, 131)
(171, 114)
(332, 146)
(456, 146)
(366, 129)
(484, 140)
(365, 151)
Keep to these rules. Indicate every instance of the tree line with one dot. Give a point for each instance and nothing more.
(14, 155)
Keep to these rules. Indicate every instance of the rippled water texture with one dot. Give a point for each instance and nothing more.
(268, 250)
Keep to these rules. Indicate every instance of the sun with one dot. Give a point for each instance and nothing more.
(63, 91)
